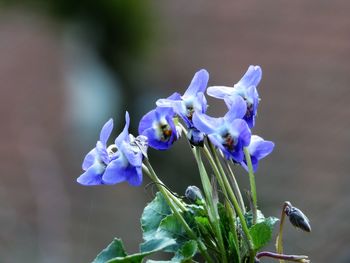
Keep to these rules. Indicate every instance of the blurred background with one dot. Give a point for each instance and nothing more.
(68, 66)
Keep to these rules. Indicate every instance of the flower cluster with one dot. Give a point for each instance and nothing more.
(123, 162)
(220, 230)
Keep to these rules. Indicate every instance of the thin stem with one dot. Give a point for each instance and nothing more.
(291, 258)
(158, 182)
(235, 187)
(235, 204)
(151, 173)
(279, 239)
(213, 212)
(252, 184)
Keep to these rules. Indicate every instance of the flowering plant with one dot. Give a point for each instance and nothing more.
(205, 227)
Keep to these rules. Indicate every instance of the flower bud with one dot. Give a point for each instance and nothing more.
(193, 194)
(297, 218)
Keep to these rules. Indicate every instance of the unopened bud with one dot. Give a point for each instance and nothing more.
(193, 194)
(297, 218)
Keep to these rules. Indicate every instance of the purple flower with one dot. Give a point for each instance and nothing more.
(159, 127)
(245, 88)
(258, 149)
(192, 100)
(119, 162)
(229, 133)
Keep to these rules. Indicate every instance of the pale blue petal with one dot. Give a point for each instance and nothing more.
(205, 123)
(198, 83)
(259, 148)
(102, 152)
(134, 176)
(93, 175)
(147, 121)
(132, 153)
(106, 131)
(240, 129)
(124, 135)
(251, 78)
(237, 108)
(220, 92)
(89, 159)
(115, 171)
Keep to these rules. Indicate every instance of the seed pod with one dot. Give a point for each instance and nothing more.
(193, 194)
(297, 218)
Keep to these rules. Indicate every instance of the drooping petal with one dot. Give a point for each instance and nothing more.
(205, 123)
(106, 131)
(93, 175)
(251, 78)
(259, 148)
(134, 176)
(219, 92)
(124, 135)
(89, 159)
(198, 83)
(115, 171)
(237, 108)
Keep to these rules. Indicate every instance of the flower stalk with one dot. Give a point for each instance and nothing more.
(153, 176)
(252, 184)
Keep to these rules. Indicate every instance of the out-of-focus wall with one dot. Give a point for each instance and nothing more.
(303, 48)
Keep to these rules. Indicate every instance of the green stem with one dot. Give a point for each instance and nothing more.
(279, 239)
(222, 185)
(213, 212)
(252, 184)
(235, 187)
(235, 204)
(151, 173)
(158, 182)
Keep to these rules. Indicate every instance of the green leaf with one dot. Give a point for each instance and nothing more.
(261, 233)
(186, 252)
(152, 215)
(114, 249)
(249, 218)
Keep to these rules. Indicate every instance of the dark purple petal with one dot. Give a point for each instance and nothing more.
(115, 171)
(220, 92)
(205, 123)
(237, 108)
(251, 78)
(198, 83)
(89, 159)
(93, 175)
(106, 131)
(259, 148)
(134, 176)
(124, 135)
